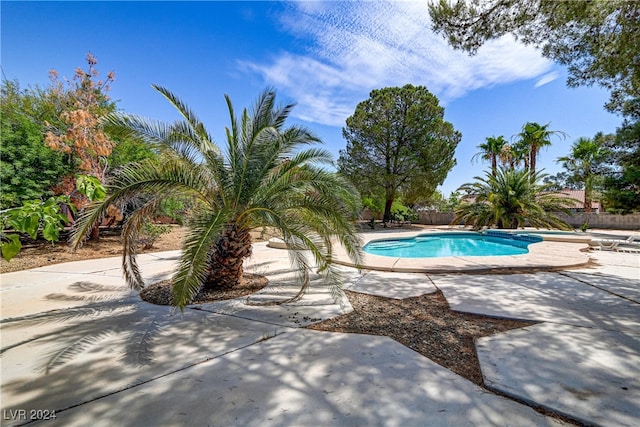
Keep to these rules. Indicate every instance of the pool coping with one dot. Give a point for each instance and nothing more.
(548, 255)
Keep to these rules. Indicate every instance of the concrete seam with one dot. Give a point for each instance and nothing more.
(161, 376)
(598, 287)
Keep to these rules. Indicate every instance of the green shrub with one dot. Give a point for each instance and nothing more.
(30, 218)
(402, 213)
(174, 208)
(151, 232)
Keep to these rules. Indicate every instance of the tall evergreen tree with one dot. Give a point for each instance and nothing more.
(596, 39)
(398, 138)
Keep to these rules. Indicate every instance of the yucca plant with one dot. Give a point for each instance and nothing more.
(267, 175)
(511, 199)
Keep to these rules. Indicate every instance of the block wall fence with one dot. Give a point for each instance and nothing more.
(606, 221)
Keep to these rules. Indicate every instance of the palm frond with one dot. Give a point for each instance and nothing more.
(148, 130)
(87, 220)
(177, 138)
(186, 142)
(146, 182)
(62, 355)
(131, 236)
(195, 256)
(262, 111)
(139, 346)
(311, 216)
(511, 199)
(130, 182)
(202, 137)
(172, 175)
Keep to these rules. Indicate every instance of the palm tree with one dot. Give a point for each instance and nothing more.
(265, 177)
(534, 137)
(492, 149)
(585, 154)
(511, 199)
(516, 154)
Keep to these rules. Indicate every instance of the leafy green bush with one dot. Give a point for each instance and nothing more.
(374, 204)
(31, 217)
(90, 187)
(128, 150)
(402, 213)
(28, 168)
(174, 208)
(151, 232)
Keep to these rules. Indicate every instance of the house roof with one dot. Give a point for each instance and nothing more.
(578, 195)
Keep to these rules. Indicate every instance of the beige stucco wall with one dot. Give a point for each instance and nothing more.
(607, 221)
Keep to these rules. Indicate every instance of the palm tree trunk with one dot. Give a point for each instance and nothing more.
(227, 258)
(532, 160)
(588, 190)
(95, 233)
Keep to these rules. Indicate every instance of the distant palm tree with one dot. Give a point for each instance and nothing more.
(585, 154)
(534, 137)
(516, 154)
(511, 199)
(265, 177)
(492, 150)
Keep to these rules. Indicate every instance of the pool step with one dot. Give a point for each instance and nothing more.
(390, 245)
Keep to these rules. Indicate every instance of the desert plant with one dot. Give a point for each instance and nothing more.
(266, 176)
(581, 163)
(492, 150)
(534, 137)
(511, 199)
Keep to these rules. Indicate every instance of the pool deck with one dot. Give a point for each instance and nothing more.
(76, 340)
(554, 253)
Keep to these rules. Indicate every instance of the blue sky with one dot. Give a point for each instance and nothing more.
(325, 56)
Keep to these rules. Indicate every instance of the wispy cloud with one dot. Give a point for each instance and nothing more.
(547, 78)
(354, 47)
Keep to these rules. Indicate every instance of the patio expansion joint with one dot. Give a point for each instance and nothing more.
(571, 325)
(222, 313)
(492, 386)
(104, 272)
(598, 287)
(184, 368)
(489, 387)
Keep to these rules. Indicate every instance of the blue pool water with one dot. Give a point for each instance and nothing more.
(447, 244)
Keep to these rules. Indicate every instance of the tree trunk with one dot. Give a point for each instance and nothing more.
(227, 257)
(532, 162)
(387, 211)
(95, 233)
(588, 189)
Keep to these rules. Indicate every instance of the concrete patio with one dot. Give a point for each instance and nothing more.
(77, 341)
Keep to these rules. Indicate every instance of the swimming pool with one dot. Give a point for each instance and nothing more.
(435, 245)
